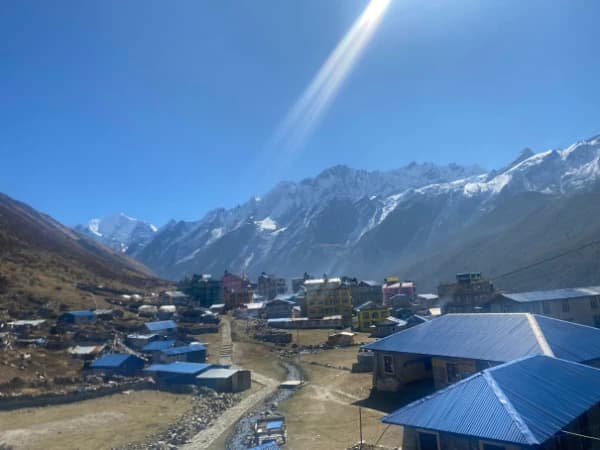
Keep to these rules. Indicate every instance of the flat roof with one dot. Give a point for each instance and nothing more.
(553, 294)
(184, 349)
(217, 373)
(179, 367)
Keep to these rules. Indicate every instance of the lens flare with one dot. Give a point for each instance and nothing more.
(309, 108)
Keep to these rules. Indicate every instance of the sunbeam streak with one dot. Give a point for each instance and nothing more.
(309, 108)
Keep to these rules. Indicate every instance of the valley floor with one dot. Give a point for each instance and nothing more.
(92, 424)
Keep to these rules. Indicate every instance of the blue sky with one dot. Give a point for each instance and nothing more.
(165, 109)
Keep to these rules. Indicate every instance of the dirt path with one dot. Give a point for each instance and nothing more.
(268, 386)
(206, 438)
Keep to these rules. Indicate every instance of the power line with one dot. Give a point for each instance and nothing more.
(545, 260)
(581, 435)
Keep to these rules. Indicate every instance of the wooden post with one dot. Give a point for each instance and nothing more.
(360, 426)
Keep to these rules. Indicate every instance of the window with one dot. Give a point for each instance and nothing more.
(388, 364)
(428, 441)
(375, 315)
(565, 306)
(453, 372)
(594, 303)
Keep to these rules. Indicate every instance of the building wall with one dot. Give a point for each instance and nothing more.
(447, 441)
(464, 297)
(326, 301)
(448, 371)
(363, 294)
(235, 299)
(405, 368)
(408, 368)
(276, 310)
(368, 317)
(583, 310)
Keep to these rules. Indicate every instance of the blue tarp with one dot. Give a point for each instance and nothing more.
(274, 424)
(524, 402)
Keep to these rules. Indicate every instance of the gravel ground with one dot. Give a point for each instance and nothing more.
(207, 406)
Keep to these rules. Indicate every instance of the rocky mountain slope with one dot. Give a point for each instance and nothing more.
(422, 221)
(296, 225)
(42, 261)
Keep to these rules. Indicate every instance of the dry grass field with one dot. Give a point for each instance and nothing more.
(92, 424)
(324, 413)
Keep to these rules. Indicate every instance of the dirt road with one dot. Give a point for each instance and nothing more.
(267, 386)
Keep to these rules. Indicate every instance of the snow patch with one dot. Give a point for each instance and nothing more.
(215, 235)
(94, 227)
(281, 230)
(267, 224)
(389, 204)
(248, 260)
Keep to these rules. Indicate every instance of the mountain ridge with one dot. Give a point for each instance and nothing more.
(369, 223)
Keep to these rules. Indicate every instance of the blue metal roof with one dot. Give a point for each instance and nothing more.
(111, 360)
(495, 337)
(184, 349)
(571, 341)
(179, 367)
(524, 402)
(161, 325)
(554, 294)
(266, 446)
(158, 345)
(82, 313)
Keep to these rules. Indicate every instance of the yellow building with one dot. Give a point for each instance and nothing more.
(369, 313)
(327, 297)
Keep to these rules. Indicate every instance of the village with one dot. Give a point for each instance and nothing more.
(328, 362)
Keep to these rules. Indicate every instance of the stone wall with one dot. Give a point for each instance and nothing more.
(9, 403)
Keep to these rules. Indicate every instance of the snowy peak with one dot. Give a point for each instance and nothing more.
(118, 231)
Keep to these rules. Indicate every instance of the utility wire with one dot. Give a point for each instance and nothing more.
(580, 435)
(545, 260)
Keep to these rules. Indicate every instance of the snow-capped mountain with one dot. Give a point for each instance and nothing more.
(119, 231)
(422, 221)
(333, 208)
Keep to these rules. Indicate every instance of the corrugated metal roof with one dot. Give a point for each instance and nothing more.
(523, 402)
(571, 341)
(179, 367)
(554, 294)
(495, 337)
(161, 325)
(217, 373)
(111, 360)
(184, 349)
(83, 313)
(158, 345)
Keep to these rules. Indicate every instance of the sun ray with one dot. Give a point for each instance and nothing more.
(308, 110)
